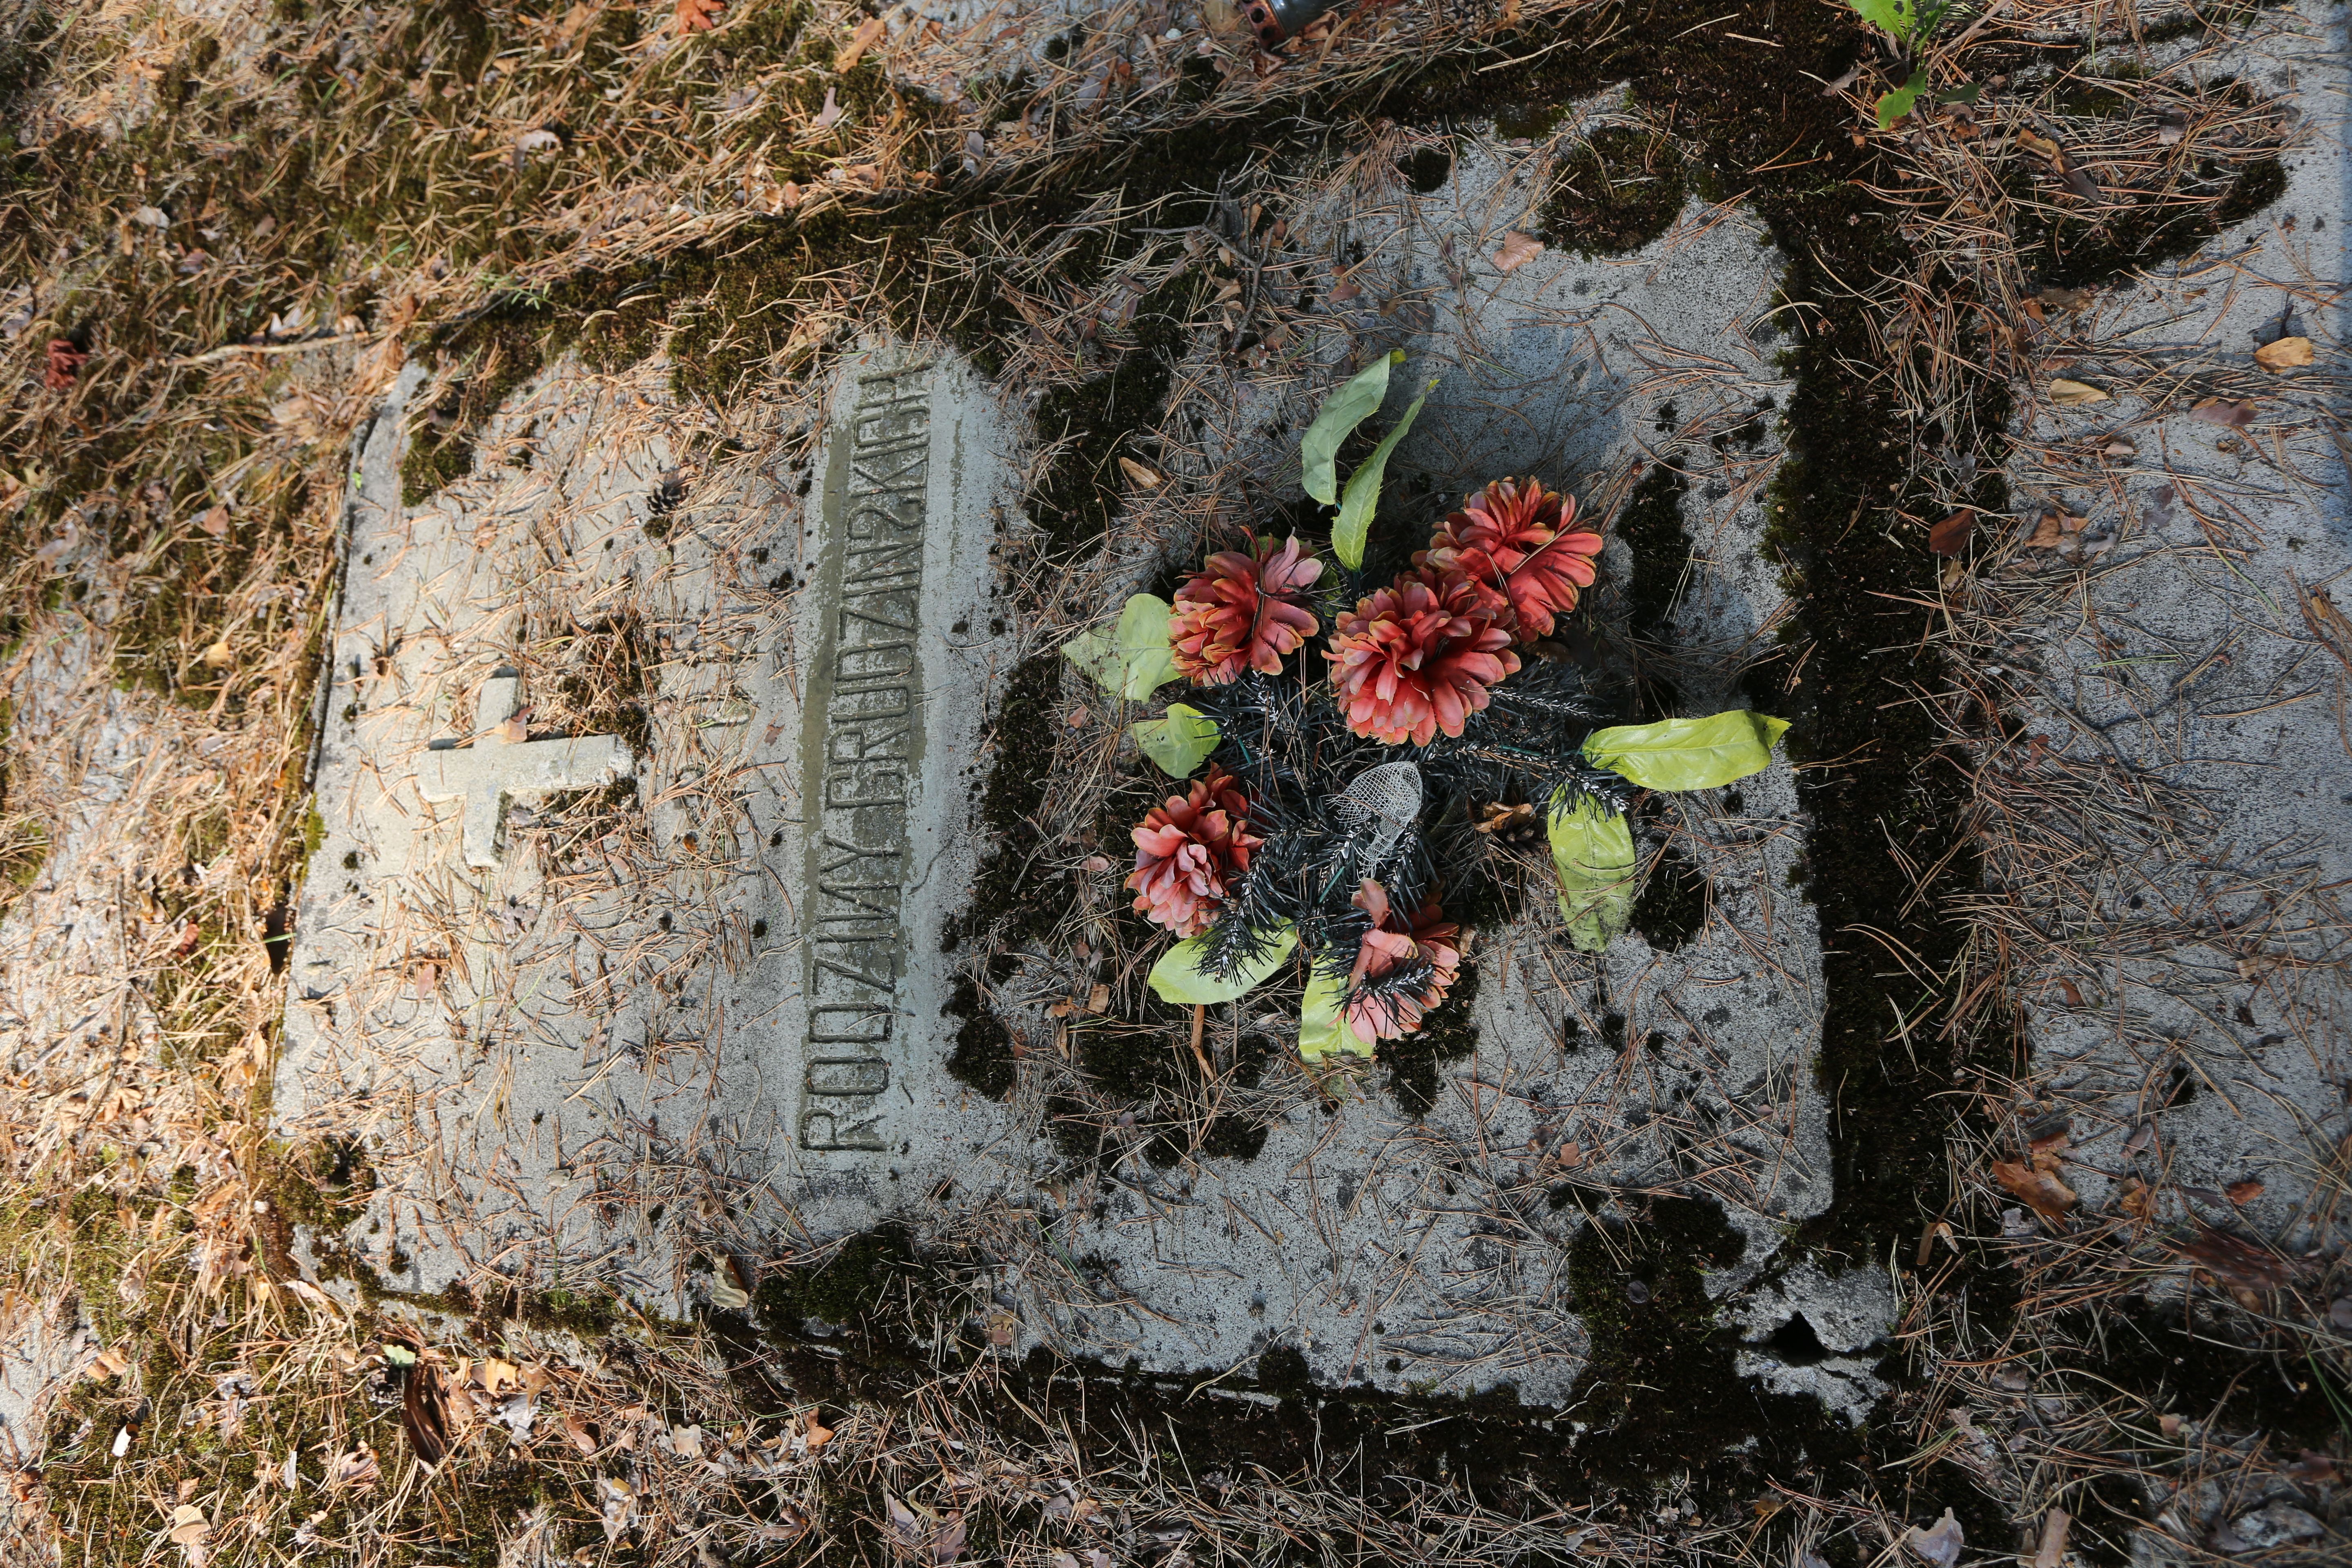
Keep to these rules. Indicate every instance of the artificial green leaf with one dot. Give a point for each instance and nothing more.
(1593, 854)
(1134, 661)
(1893, 106)
(1179, 741)
(1323, 1027)
(1688, 754)
(1177, 976)
(399, 1354)
(1356, 401)
(1363, 497)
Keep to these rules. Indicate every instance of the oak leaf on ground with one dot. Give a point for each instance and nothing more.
(2283, 354)
(2037, 1185)
(699, 15)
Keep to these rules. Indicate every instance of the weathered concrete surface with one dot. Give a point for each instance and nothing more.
(2173, 832)
(602, 1032)
(710, 1016)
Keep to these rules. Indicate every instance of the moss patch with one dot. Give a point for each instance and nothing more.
(1616, 193)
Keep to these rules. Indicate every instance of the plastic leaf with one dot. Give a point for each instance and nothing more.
(1363, 497)
(1323, 1028)
(1179, 742)
(1356, 401)
(1592, 854)
(1177, 976)
(1688, 754)
(1134, 661)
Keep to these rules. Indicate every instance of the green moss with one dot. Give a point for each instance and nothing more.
(858, 1282)
(2077, 249)
(1671, 908)
(1616, 193)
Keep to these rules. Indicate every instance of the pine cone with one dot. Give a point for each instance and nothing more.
(1520, 825)
(1386, 1013)
(1192, 852)
(1242, 611)
(1417, 659)
(1517, 539)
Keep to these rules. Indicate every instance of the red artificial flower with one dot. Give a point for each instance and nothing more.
(1520, 539)
(1190, 852)
(1391, 943)
(1243, 611)
(1417, 659)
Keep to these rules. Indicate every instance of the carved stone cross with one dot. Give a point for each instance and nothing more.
(487, 773)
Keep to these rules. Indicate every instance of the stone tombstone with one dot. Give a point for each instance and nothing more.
(745, 998)
(586, 1054)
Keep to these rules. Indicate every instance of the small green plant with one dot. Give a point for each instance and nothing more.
(1910, 23)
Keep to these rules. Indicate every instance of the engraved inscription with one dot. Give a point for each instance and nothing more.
(862, 768)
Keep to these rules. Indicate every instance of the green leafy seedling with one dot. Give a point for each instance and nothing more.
(1357, 400)
(1905, 21)
(1179, 742)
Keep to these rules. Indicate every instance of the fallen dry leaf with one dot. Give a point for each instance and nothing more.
(2051, 1552)
(1939, 1546)
(507, 733)
(2243, 1193)
(2041, 145)
(2037, 1188)
(1949, 536)
(816, 1435)
(65, 363)
(189, 1525)
(582, 1433)
(2135, 1198)
(828, 113)
(425, 1412)
(2118, 447)
(2234, 1260)
(215, 521)
(1140, 476)
(357, 1468)
(2054, 528)
(2283, 354)
(1518, 249)
(2074, 394)
(699, 15)
(2066, 299)
(2222, 411)
(868, 31)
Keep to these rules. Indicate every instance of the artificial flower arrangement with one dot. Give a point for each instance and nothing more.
(1320, 798)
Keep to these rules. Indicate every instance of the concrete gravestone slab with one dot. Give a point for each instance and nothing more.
(609, 984)
(523, 1032)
